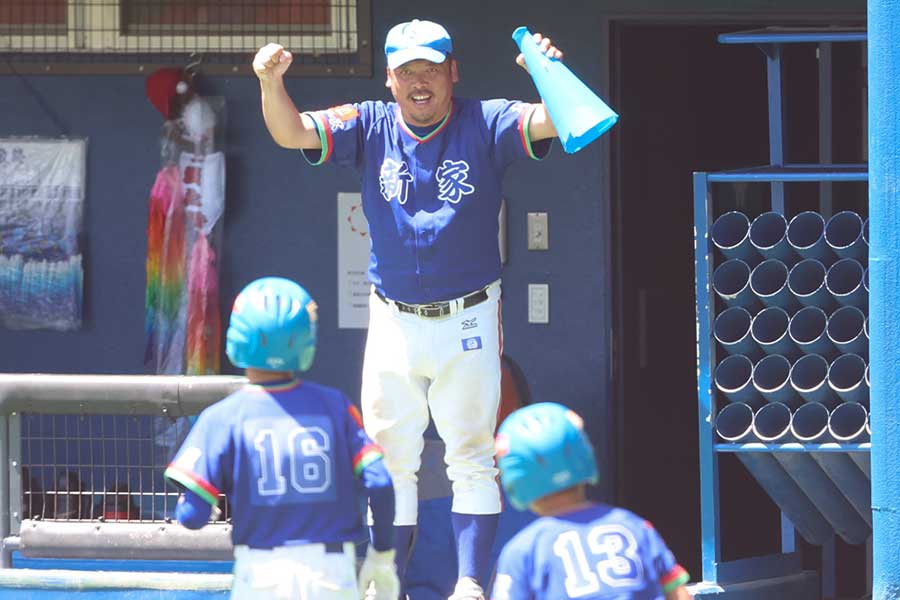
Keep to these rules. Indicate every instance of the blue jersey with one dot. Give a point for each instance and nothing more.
(595, 553)
(432, 202)
(286, 456)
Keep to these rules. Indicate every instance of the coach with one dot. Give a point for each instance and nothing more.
(431, 167)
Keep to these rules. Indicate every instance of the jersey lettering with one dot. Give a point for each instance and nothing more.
(308, 463)
(614, 553)
(395, 180)
(270, 482)
(451, 177)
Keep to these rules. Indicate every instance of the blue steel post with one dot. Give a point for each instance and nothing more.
(826, 125)
(709, 463)
(776, 119)
(884, 286)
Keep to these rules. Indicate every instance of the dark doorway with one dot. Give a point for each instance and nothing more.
(688, 103)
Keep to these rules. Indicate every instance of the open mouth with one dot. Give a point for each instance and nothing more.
(420, 99)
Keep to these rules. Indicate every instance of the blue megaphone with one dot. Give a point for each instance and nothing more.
(578, 114)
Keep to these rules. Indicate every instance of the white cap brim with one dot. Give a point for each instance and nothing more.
(401, 57)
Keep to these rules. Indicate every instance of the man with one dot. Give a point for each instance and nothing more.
(577, 548)
(287, 453)
(431, 167)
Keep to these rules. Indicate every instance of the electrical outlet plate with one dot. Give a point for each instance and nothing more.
(538, 232)
(538, 303)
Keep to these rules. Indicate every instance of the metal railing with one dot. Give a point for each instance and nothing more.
(81, 463)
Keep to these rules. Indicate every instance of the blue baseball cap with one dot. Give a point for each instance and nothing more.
(417, 40)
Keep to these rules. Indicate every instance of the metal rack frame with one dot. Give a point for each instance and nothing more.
(770, 41)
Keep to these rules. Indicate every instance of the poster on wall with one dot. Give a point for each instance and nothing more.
(41, 201)
(353, 263)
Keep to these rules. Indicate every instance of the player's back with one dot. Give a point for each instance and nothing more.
(290, 477)
(595, 553)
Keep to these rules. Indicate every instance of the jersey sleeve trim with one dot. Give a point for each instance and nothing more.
(354, 414)
(524, 124)
(324, 138)
(202, 488)
(365, 457)
(676, 577)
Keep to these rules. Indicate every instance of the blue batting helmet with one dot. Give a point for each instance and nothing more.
(272, 327)
(542, 449)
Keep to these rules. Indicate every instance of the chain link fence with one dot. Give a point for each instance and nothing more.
(327, 37)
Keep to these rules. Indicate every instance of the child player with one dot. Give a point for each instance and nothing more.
(577, 548)
(287, 454)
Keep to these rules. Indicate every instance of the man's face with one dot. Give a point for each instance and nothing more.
(423, 90)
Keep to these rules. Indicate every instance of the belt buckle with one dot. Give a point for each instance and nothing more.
(429, 311)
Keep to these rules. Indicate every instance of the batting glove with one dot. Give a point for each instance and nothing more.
(379, 571)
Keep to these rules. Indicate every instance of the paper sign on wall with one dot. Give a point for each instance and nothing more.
(41, 202)
(353, 263)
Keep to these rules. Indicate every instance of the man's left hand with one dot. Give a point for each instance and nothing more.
(546, 46)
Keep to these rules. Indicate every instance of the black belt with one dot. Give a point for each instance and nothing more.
(433, 310)
(334, 547)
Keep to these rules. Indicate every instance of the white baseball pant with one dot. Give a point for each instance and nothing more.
(303, 572)
(449, 366)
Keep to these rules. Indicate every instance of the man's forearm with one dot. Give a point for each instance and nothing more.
(540, 127)
(286, 125)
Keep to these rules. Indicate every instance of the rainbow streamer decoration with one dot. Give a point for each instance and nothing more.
(166, 268)
(204, 337)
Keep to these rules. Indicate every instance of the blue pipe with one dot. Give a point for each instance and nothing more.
(731, 281)
(732, 330)
(810, 425)
(770, 330)
(844, 235)
(768, 235)
(844, 281)
(884, 281)
(809, 331)
(847, 331)
(809, 376)
(806, 235)
(772, 423)
(768, 280)
(730, 233)
(847, 378)
(734, 423)
(734, 378)
(771, 378)
(806, 280)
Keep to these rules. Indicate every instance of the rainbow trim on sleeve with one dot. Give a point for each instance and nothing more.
(676, 577)
(199, 486)
(324, 137)
(365, 457)
(354, 414)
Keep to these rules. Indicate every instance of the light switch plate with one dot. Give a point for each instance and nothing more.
(538, 231)
(538, 303)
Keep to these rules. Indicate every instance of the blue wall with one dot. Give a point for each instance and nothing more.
(280, 213)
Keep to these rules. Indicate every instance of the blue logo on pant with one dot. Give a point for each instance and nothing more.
(472, 343)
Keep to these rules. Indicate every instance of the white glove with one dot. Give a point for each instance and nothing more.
(379, 571)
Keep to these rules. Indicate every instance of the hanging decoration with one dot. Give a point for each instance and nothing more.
(183, 318)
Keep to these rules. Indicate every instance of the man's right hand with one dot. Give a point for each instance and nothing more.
(271, 62)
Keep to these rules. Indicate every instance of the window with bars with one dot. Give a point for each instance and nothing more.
(327, 37)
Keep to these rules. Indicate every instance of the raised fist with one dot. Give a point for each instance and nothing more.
(271, 61)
